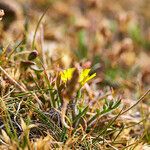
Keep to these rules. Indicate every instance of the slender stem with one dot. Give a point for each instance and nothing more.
(141, 98)
(34, 36)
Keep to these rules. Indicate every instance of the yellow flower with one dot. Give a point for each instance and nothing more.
(66, 74)
(85, 77)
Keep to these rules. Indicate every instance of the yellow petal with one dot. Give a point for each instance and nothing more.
(84, 76)
(66, 74)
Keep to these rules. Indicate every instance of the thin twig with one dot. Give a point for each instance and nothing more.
(141, 98)
(18, 85)
(12, 80)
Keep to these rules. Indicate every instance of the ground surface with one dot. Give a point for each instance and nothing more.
(75, 74)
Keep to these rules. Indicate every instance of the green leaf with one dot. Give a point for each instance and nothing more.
(81, 114)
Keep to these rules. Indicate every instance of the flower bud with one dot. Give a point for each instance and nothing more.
(1, 14)
(33, 55)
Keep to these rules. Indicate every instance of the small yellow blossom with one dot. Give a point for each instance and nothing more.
(66, 74)
(85, 77)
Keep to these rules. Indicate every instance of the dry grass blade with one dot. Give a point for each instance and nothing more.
(12, 80)
(141, 98)
(18, 85)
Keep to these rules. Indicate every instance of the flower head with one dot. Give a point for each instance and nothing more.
(66, 74)
(85, 77)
